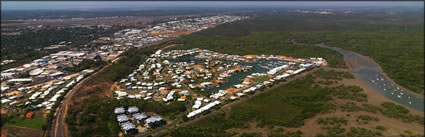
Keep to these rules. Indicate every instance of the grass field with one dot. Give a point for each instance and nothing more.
(35, 123)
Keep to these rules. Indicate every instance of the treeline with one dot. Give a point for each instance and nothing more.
(86, 64)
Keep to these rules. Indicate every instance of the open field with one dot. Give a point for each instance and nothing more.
(20, 131)
(35, 123)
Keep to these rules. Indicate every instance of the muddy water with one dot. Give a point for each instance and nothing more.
(368, 71)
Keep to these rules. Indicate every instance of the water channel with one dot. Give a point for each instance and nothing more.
(260, 66)
(369, 72)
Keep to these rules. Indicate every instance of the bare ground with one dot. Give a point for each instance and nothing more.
(20, 132)
(310, 128)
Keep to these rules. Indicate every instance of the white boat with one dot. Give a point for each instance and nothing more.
(410, 102)
(401, 93)
(398, 96)
(392, 93)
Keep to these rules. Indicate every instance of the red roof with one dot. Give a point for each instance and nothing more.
(29, 114)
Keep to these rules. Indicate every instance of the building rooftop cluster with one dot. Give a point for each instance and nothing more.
(40, 95)
(52, 67)
(4, 62)
(165, 76)
(144, 119)
(170, 29)
(44, 69)
(173, 75)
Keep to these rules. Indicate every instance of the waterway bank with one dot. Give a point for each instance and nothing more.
(372, 74)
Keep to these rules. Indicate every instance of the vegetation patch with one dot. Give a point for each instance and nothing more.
(364, 119)
(288, 106)
(35, 123)
(332, 120)
(97, 116)
(350, 92)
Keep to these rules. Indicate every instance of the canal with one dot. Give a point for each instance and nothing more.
(260, 66)
(369, 72)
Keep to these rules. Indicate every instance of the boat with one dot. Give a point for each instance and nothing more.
(392, 93)
(398, 96)
(410, 102)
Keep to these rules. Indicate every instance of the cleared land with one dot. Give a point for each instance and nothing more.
(20, 131)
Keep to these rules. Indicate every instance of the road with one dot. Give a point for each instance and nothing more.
(58, 128)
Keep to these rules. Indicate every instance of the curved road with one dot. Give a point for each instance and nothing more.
(58, 124)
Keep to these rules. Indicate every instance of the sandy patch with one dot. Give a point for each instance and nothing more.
(20, 132)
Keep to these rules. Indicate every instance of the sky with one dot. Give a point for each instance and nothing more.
(55, 5)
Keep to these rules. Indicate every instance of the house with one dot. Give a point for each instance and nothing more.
(133, 109)
(122, 118)
(140, 117)
(129, 128)
(155, 121)
(29, 115)
(119, 110)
